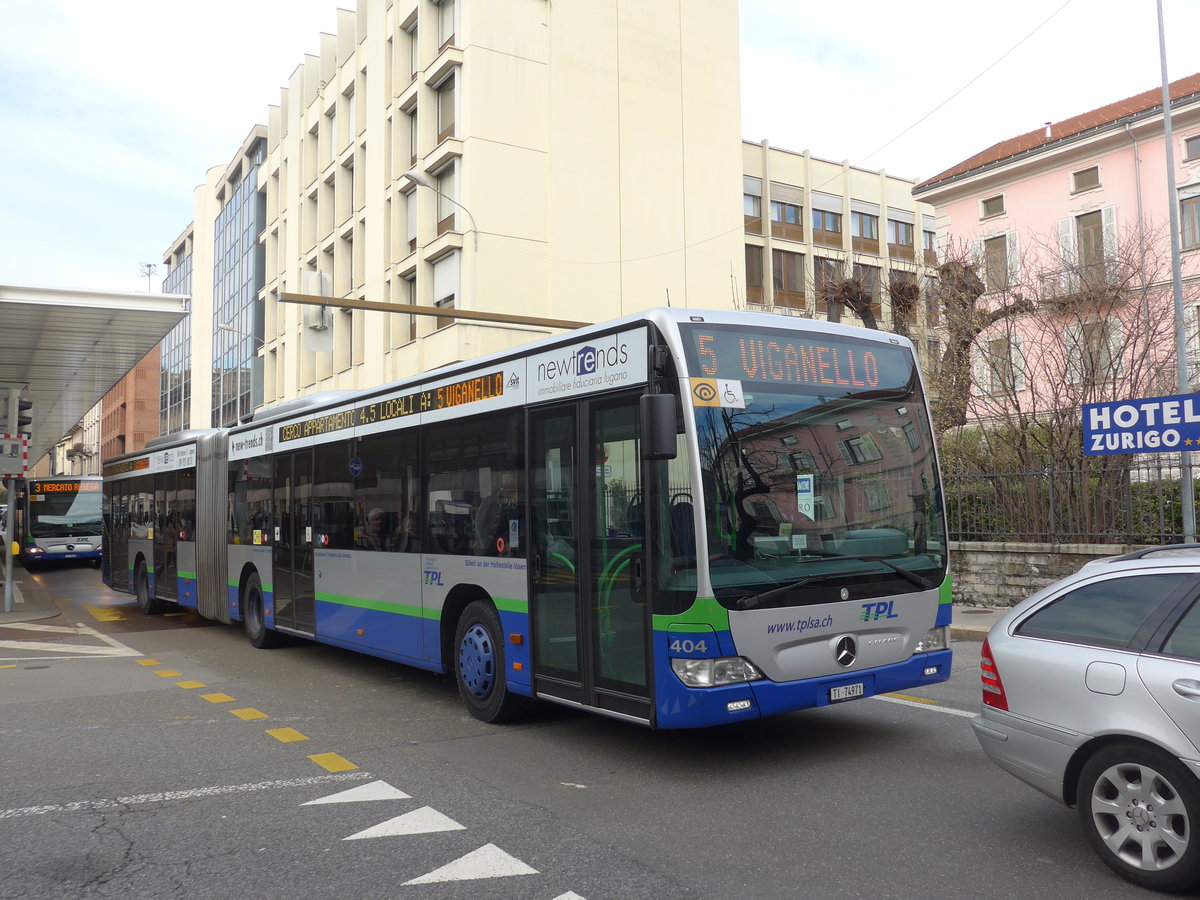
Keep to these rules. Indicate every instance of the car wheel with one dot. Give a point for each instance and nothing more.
(1140, 809)
(253, 617)
(148, 604)
(479, 665)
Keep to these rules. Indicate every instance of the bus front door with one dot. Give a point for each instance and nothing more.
(588, 584)
(292, 557)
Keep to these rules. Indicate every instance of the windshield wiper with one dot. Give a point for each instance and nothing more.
(911, 577)
(752, 601)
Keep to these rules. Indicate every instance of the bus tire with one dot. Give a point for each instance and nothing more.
(150, 606)
(253, 617)
(479, 667)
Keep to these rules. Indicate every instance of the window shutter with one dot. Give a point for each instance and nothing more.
(1014, 261)
(1016, 349)
(976, 258)
(1108, 222)
(1073, 353)
(1068, 254)
(981, 370)
(445, 277)
(1192, 342)
(1114, 332)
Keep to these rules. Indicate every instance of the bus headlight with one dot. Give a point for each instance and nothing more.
(34, 550)
(935, 639)
(714, 672)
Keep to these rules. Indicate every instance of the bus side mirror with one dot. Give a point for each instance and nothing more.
(658, 412)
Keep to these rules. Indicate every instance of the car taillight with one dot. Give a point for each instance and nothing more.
(993, 687)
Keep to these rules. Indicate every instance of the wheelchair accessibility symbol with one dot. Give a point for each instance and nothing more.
(717, 392)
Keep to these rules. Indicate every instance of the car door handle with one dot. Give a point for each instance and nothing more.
(1187, 688)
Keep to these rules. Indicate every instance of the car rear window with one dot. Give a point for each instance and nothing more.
(1185, 638)
(1108, 613)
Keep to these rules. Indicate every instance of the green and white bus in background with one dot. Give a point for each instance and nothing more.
(680, 518)
(57, 519)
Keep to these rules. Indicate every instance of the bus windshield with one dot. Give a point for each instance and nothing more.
(64, 509)
(818, 467)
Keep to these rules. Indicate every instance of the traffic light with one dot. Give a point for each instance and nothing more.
(24, 420)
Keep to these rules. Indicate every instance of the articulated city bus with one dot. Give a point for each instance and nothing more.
(681, 518)
(58, 519)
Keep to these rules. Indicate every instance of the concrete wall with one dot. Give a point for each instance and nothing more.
(996, 574)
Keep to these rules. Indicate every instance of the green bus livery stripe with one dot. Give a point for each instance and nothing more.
(506, 604)
(946, 592)
(407, 609)
(236, 585)
(189, 575)
(705, 613)
(399, 609)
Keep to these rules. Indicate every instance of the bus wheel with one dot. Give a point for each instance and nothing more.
(479, 665)
(151, 606)
(255, 621)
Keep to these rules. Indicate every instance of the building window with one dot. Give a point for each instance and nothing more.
(447, 191)
(826, 274)
(827, 221)
(445, 94)
(787, 213)
(414, 53)
(754, 273)
(787, 271)
(445, 286)
(1085, 179)
(1089, 237)
(445, 23)
(1189, 216)
(928, 240)
(1003, 366)
(864, 225)
(752, 213)
(991, 206)
(900, 233)
(1093, 352)
(1191, 147)
(995, 263)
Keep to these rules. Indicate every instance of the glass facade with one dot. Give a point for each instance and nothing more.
(175, 367)
(237, 278)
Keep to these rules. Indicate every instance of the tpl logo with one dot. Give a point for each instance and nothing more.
(873, 612)
(433, 577)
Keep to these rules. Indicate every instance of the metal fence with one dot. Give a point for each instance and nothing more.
(1106, 502)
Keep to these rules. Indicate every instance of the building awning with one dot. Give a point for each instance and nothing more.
(69, 347)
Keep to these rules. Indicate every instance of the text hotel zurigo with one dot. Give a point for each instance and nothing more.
(1156, 424)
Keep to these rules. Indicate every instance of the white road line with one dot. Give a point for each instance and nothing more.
(933, 707)
(115, 648)
(195, 794)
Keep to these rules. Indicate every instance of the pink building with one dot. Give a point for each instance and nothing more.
(1069, 225)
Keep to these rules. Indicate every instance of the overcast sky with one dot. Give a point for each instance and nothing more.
(111, 112)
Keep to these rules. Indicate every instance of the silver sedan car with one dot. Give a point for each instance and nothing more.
(1091, 694)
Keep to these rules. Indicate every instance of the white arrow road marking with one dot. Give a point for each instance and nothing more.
(376, 790)
(425, 820)
(488, 861)
(114, 649)
(570, 895)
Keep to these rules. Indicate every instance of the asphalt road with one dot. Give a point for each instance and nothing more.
(165, 757)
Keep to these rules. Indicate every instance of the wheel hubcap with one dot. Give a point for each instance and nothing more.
(1140, 817)
(477, 661)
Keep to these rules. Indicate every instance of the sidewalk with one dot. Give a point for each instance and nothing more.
(972, 623)
(30, 601)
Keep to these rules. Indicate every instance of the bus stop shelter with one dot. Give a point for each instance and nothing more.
(65, 349)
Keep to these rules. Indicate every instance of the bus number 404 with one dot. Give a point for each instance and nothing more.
(678, 646)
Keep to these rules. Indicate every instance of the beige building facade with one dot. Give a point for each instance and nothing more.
(827, 240)
(567, 161)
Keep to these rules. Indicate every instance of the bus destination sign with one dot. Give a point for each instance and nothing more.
(64, 487)
(472, 390)
(827, 363)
